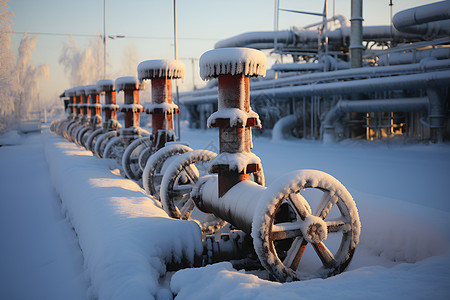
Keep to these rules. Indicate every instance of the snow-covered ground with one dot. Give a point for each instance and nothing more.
(121, 239)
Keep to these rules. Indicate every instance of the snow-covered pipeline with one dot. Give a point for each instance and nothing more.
(411, 81)
(197, 97)
(430, 19)
(308, 38)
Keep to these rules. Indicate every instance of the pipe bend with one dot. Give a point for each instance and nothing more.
(281, 127)
(416, 19)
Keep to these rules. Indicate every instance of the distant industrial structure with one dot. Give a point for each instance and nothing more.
(349, 81)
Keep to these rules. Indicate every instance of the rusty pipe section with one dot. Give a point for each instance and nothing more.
(162, 108)
(73, 103)
(131, 107)
(94, 107)
(110, 107)
(82, 103)
(233, 67)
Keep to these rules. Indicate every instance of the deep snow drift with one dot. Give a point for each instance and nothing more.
(125, 237)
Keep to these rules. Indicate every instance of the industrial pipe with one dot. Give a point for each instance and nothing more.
(356, 34)
(431, 19)
(283, 126)
(233, 67)
(362, 106)
(414, 81)
(365, 72)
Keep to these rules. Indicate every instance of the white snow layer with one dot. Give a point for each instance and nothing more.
(79, 90)
(125, 236)
(167, 108)
(236, 161)
(126, 82)
(161, 68)
(110, 106)
(90, 89)
(70, 92)
(232, 61)
(105, 85)
(236, 116)
(132, 107)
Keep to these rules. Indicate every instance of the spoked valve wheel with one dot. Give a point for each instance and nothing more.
(176, 186)
(156, 164)
(284, 226)
(130, 159)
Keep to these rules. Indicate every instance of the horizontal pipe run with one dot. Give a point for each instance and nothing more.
(434, 17)
(414, 81)
(365, 72)
(237, 206)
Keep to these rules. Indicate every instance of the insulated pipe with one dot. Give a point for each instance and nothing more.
(422, 67)
(361, 106)
(237, 206)
(428, 19)
(436, 113)
(307, 39)
(162, 108)
(414, 81)
(281, 127)
(284, 37)
(413, 57)
(234, 117)
(356, 34)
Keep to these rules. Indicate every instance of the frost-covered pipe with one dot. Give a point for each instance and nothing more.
(436, 113)
(422, 67)
(237, 206)
(414, 81)
(234, 117)
(412, 57)
(307, 39)
(162, 108)
(356, 34)
(430, 19)
(282, 126)
(244, 39)
(362, 106)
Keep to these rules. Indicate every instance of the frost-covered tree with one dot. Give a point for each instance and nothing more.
(27, 75)
(84, 66)
(6, 67)
(19, 85)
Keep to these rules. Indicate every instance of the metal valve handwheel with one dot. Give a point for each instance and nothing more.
(176, 186)
(130, 158)
(156, 164)
(284, 225)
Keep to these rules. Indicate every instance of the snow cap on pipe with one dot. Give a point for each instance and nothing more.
(105, 85)
(79, 90)
(70, 92)
(232, 61)
(128, 83)
(90, 89)
(161, 68)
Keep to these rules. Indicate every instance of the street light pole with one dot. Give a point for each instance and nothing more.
(178, 130)
(104, 39)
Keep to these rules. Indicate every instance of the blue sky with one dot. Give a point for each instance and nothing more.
(201, 23)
